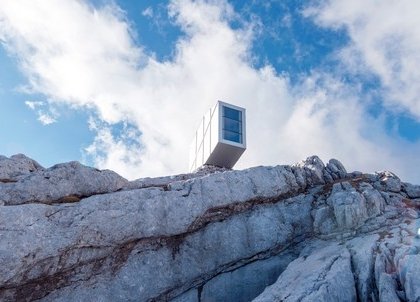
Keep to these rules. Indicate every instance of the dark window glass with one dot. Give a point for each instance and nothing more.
(232, 125)
(232, 136)
(232, 113)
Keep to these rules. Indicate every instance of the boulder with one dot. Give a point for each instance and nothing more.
(412, 191)
(13, 168)
(388, 181)
(62, 183)
(349, 207)
(336, 169)
(313, 168)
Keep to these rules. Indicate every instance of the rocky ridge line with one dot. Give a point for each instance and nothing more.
(179, 238)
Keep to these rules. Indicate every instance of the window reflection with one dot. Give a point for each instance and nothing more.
(232, 113)
(232, 136)
(232, 125)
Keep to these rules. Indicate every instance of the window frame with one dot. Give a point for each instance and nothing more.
(242, 127)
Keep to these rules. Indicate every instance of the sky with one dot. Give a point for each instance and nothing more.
(123, 84)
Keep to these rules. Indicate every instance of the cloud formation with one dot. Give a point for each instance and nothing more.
(46, 116)
(385, 40)
(95, 64)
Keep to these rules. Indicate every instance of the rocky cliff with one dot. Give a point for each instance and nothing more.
(308, 232)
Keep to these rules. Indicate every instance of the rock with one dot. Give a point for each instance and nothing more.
(409, 267)
(355, 174)
(389, 181)
(314, 170)
(189, 296)
(375, 203)
(110, 231)
(300, 176)
(304, 232)
(412, 190)
(13, 168)
(391, 198)
(324, 220)
(63, 183)
(362, 256)
(349, 207)
(245, 283)
(165, 181)
(336, 169)
(325, 275)
(387, 286)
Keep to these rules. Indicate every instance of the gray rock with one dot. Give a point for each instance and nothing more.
(245, 283)
(375, 203)
(387, 286)
(389, 181)
(362, 251)
(336, 169)
(325, 275)
(409, 267)
(355, 174)
(73, 233)
(165, 181)
(324, 220)
(349, 208)
(13, 168)
(412, 191)
(300, 176)
(314, 170)
(63, 183)
(110, 231)
(328, 177)
(391, 198)
(189, 296)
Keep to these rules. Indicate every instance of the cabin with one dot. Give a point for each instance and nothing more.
(220, 139)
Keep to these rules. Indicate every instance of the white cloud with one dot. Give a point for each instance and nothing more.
(46, 119)
(33, 104)
(46, 116)
(83, 56)
(148, 12)
(385, 40)
(331, 120)
(107, 150)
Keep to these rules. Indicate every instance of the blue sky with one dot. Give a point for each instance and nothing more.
(122, 84)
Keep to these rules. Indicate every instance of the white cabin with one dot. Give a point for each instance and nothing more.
(221, 137)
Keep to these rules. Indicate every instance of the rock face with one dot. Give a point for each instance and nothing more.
(308, 232)
(324, 275)
(59, 184)
(17, 166)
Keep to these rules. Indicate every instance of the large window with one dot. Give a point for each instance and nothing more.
(232, 124)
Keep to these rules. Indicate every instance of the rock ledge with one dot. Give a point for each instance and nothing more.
(75, 233)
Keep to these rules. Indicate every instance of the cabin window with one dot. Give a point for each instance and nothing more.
(232, 124)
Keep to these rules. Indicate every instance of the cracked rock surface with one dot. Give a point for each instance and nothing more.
(307, 232)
